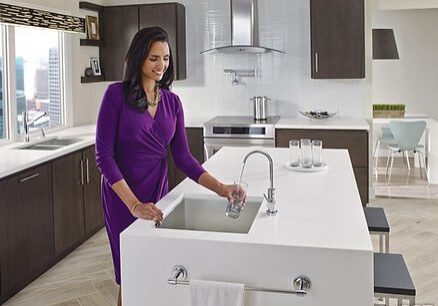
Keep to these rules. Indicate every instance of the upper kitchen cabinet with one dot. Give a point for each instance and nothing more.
(172, 18)
(337, 39)
(121, 24)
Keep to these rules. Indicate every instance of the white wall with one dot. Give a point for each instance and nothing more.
(413, 79)
(285, 25)
(207, 91)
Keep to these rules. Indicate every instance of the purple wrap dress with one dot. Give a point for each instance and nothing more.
(132, 145)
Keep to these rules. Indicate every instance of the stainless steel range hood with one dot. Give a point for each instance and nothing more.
(244, 24)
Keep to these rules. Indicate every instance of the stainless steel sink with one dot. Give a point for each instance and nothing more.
(50, 144)
(59, 141)
(207, 213)
(40, 147)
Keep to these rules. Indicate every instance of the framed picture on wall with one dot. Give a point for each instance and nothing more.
(95, 66)
(92, 27)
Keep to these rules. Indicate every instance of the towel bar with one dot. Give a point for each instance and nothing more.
(301, 284)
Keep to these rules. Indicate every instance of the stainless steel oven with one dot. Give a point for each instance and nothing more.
(238, 132)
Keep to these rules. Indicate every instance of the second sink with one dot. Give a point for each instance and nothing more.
(50, 144)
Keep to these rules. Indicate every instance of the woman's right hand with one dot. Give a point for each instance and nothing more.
(148, 211)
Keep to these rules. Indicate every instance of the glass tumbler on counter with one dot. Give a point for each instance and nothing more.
(317, 153)
(237, 196)
(306, 153)
(294, 153)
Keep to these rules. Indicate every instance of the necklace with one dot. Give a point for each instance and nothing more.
(156, 99)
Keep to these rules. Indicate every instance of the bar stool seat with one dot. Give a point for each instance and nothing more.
(378, 225)
(392, 279)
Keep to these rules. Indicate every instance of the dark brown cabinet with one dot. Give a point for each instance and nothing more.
(92, 195)
(45, 212)
(68, 206)
(120, 23)
(195, 140)
(120, 26)
(26, 228)
(76, 198)
(172, 18)
(356, 141)
(337, 39)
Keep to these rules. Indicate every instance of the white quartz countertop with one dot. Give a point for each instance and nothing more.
(196, 122)
(321, 210)
(13, 160)
(334, 123)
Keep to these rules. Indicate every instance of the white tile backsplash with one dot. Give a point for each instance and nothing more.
(285, 78)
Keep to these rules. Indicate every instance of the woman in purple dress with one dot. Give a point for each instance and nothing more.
(138, 119)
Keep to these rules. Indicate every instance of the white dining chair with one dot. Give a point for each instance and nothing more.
(407, 135)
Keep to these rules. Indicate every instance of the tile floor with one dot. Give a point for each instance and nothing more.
(85, 277)
(404, 183)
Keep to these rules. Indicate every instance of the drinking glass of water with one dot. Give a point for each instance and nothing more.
(306, 153)
(236, 202)
(317, 153)
(294, 153)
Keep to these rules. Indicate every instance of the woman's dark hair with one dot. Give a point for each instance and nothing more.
(136, 55)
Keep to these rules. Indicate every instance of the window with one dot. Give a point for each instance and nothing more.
(36, 57)
(38, 77)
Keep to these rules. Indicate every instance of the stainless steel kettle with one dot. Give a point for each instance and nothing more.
(260, 107)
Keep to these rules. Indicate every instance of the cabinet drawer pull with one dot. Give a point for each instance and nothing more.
(27, 178)
(87, 173)
(316, 62)
(82, 172)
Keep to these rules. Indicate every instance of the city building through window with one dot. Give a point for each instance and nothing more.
(38, 77)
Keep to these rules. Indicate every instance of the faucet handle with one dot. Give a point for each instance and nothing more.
(270, 200)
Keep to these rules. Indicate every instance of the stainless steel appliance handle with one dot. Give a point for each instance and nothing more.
(206, 152)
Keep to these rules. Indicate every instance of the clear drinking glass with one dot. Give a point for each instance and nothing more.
(294, 153)
(235, 204)
(317, 153)
(306, 153)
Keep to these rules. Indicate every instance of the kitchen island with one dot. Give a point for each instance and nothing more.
(320, 232)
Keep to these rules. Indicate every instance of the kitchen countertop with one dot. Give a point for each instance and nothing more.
(322, 214)
(196, 122)
(13, 160)
(334, 123)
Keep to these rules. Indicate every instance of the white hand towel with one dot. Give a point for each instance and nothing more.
(209, 293)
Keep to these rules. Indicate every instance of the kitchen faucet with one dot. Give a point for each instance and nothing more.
(27, 123)
(271, 211)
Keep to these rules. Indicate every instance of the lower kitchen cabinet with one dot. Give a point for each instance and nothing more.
(195, 140)
(26, 228)
(76, 198)
(356, 141)
(68, 208)
(92, 196)
(45, 212)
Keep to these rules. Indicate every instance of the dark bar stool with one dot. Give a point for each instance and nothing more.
(392, 279)
(378, 225)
